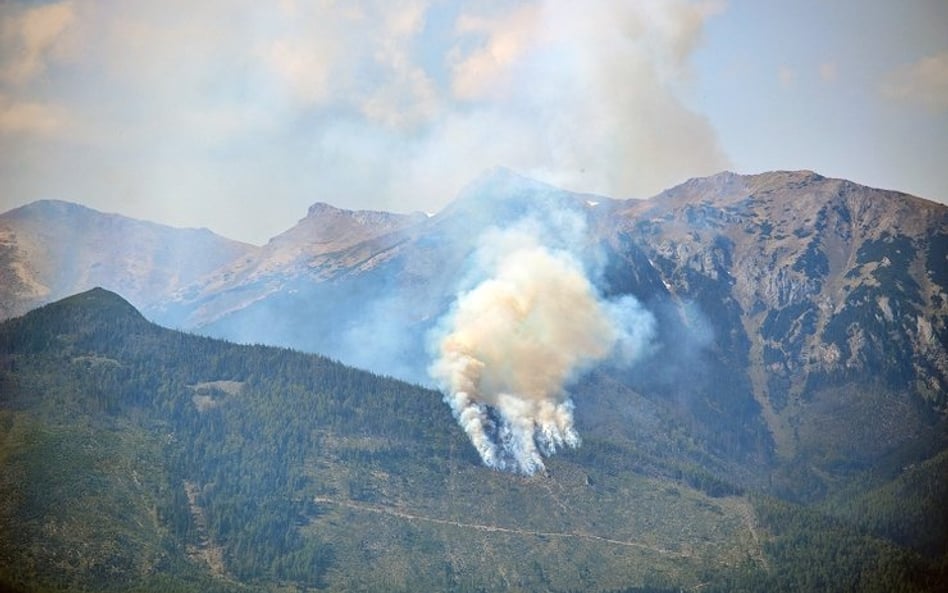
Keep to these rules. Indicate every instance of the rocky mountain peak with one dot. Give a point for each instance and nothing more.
(47, 206)
(326, 228)
(503, 184)
(501, 196)
(825, 278)
(322, 209)
(296, 253)
(377, 221)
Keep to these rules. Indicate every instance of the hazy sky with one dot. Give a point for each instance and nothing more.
(237, 114)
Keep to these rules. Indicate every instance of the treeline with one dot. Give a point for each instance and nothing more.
(909, 511)
(811, 551)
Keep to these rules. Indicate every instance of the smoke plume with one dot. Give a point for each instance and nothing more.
(511, 344)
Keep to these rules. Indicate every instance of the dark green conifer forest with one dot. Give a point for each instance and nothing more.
(134, 457)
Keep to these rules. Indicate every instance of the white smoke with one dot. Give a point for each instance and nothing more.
(511, 344)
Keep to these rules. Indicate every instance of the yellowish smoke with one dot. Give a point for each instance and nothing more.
(511, 345)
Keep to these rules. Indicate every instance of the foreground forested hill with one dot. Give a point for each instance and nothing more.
(135, 457)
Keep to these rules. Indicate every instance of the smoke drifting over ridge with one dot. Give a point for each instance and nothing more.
(394, 105)
(510, 346)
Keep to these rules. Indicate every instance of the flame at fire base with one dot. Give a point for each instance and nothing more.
(510, 346)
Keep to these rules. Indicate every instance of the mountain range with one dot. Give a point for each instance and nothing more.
(778, 296)
(798, 347)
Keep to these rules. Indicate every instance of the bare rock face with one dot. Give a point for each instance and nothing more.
(831, 283)
(51, 249)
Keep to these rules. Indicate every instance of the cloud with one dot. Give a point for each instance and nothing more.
(787, 76)
(829, 71)
(29, 37)
(580, 96)
(30, 118)
(370, 104)
(356, 57)
(303, 68)
(488, 49)
(923, 83)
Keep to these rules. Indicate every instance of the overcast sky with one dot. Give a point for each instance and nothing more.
(238, 114)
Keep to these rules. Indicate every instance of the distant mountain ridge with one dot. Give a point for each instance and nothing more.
(808, 315)
(292, 254)
(51, 249)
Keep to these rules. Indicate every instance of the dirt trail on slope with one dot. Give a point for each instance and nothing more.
(206, 551)
(750, 521)
(394, 512)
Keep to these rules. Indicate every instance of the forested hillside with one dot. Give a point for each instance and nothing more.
(138, 458)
